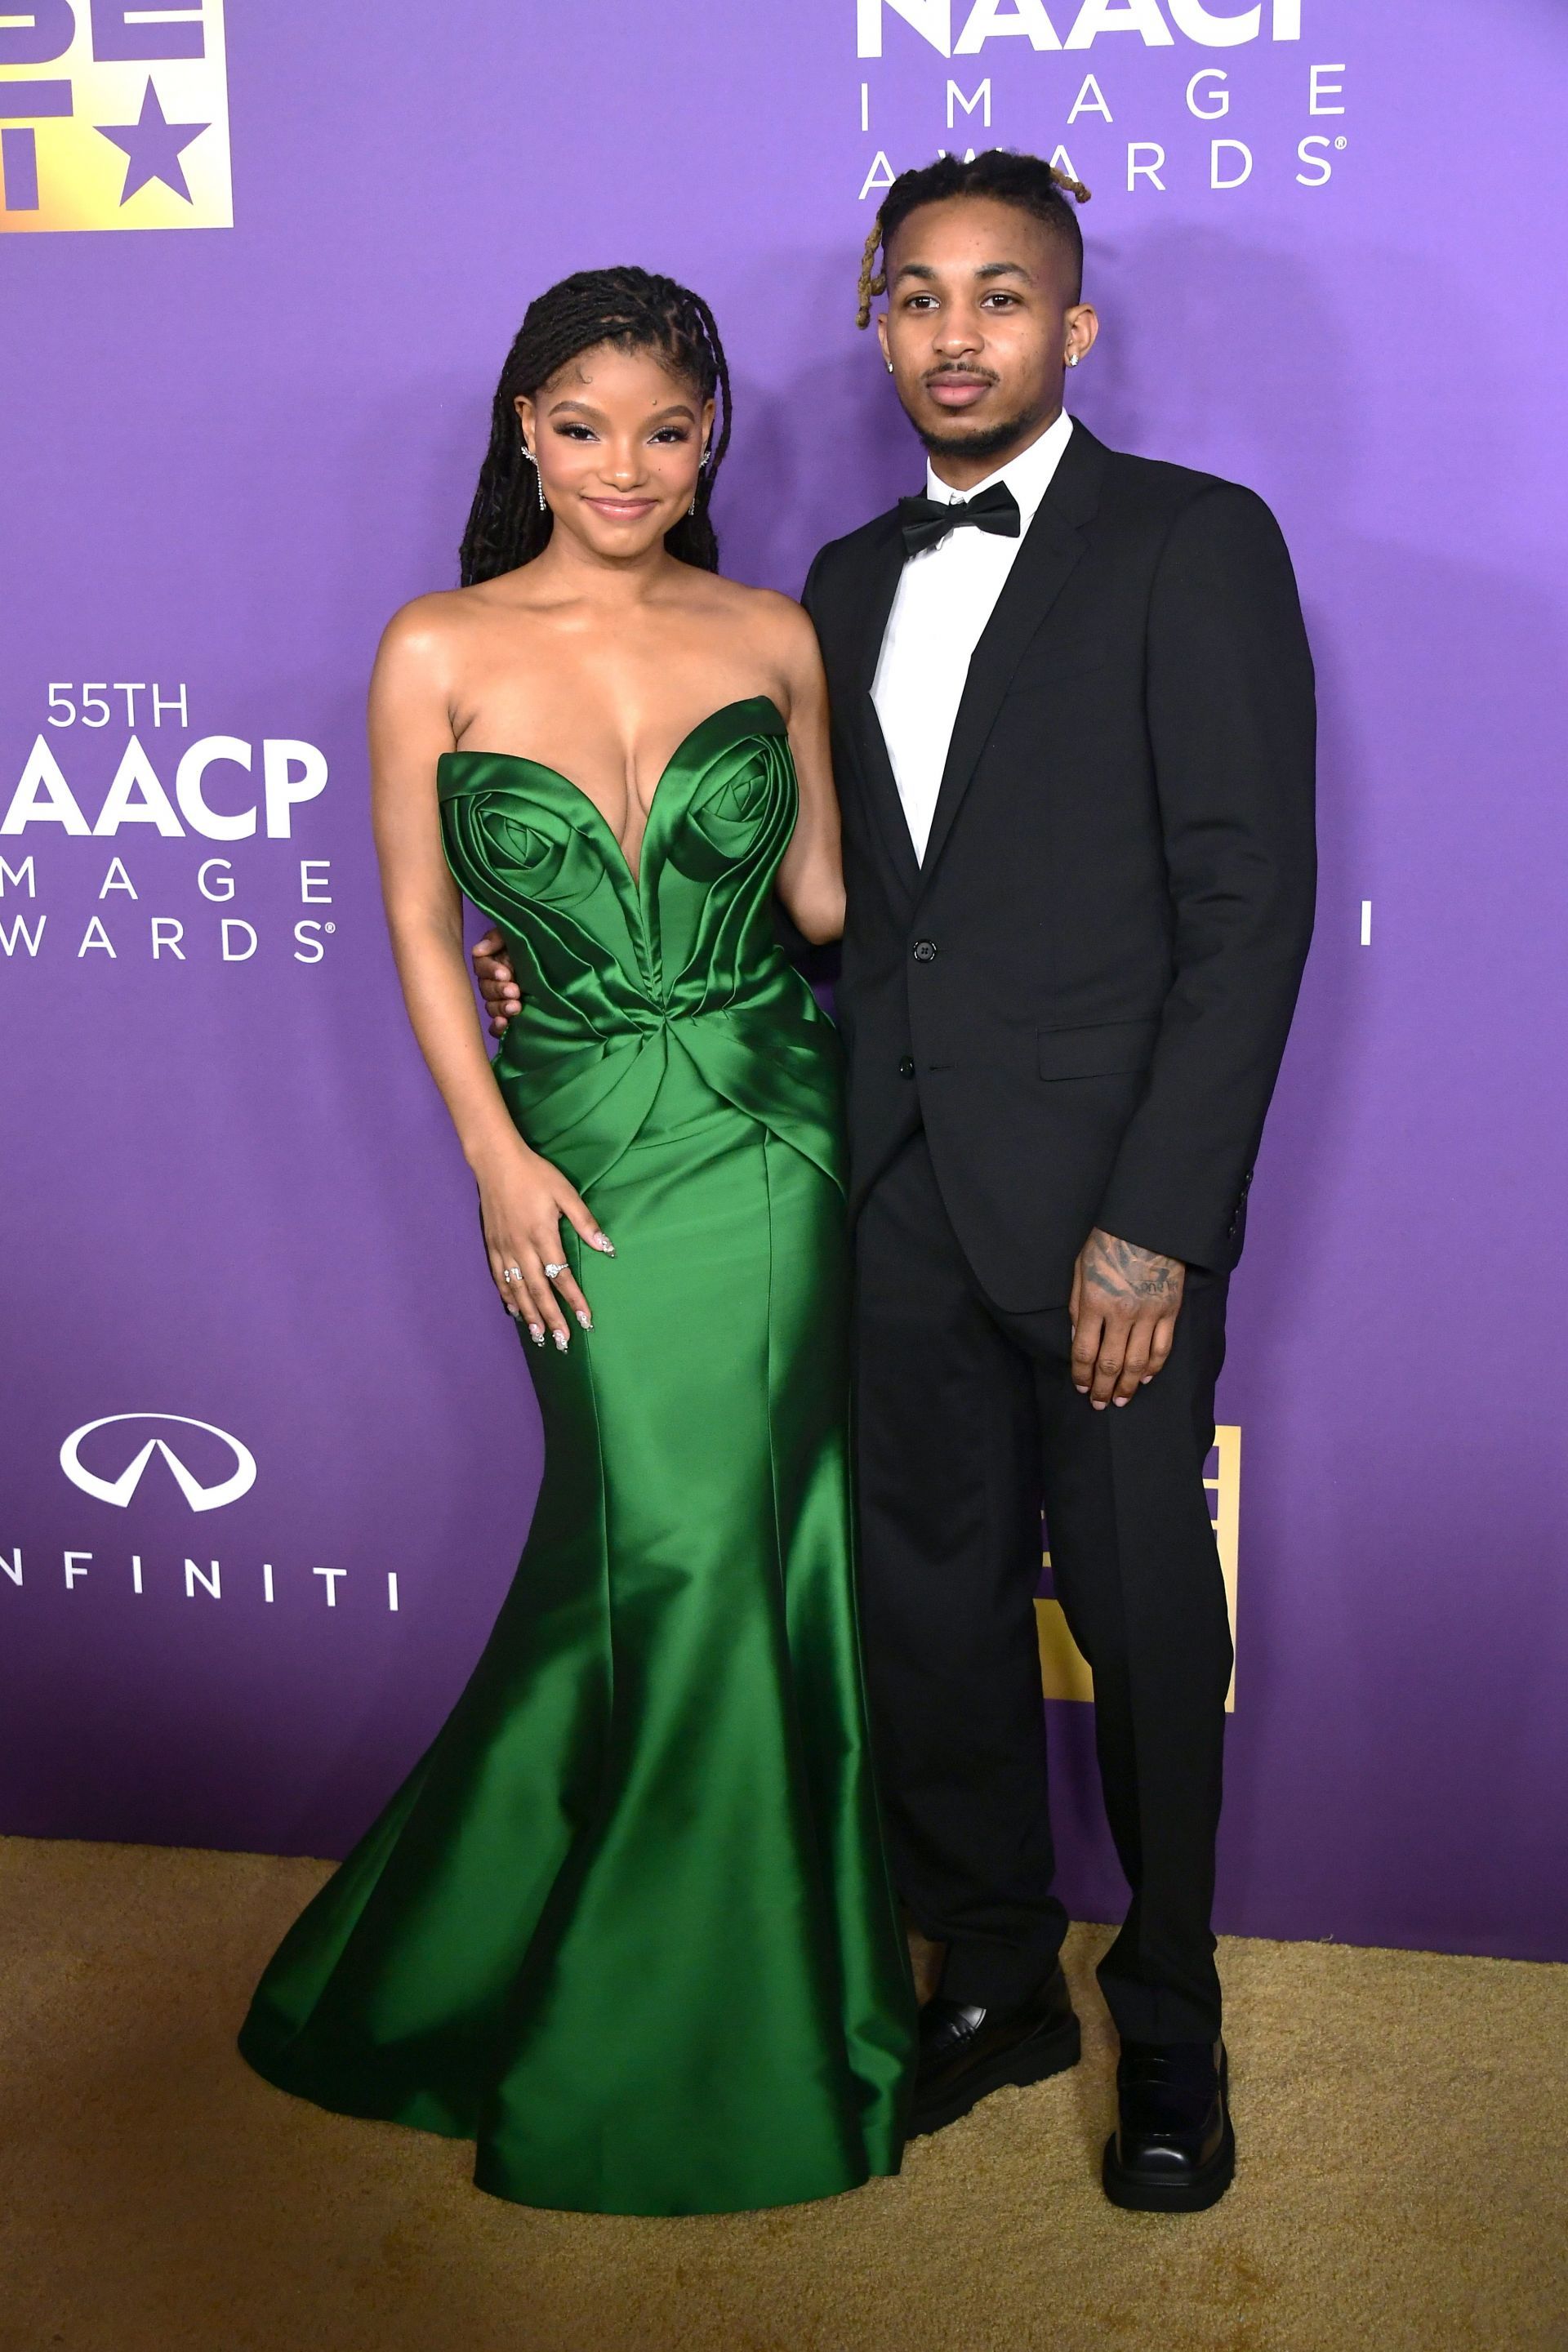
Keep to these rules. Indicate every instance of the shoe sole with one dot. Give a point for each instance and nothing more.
(1137, 2195)
(1033, 2061)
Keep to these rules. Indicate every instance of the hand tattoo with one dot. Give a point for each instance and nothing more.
(1120, 1273)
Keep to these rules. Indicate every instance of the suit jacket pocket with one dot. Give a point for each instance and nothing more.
(1101, 1049)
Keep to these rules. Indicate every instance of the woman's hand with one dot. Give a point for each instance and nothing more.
(522, 1200)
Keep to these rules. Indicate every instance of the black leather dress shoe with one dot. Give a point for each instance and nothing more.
(967, 2052)
(1172, 2150)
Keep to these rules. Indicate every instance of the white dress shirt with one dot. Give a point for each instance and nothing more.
(945, 597)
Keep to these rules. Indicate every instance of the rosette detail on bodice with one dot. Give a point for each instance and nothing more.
(619, 971)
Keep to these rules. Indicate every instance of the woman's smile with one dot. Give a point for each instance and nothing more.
(619, 509)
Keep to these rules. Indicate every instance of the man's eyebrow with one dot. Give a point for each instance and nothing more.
(924, 269)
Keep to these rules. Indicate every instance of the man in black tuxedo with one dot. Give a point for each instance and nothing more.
(1073, 737)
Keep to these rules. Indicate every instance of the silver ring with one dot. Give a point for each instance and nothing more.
(551, 1271)
(511, 1273)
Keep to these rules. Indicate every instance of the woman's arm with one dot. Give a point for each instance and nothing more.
(522, 1197)
(811, 875)
(410, 728)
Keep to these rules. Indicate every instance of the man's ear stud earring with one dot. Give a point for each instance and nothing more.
(890, 367)
(1072, 359)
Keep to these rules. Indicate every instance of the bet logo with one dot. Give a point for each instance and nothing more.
(113, 115)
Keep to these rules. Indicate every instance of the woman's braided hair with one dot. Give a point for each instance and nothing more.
(1025, 179)
(634, 310)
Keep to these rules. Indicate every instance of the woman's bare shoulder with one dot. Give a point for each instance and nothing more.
(435, 637)
(771, 619)
(427, 627)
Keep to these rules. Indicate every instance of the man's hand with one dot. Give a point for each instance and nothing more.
(498, 982)
(1124, 1304)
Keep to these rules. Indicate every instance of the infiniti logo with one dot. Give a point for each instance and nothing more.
(120, 1490)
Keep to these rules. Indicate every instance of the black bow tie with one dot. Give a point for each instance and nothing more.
(926, 521)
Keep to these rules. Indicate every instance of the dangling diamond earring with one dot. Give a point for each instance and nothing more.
(537, 477)
(701, 469)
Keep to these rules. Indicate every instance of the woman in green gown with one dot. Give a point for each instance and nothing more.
(627, 1923)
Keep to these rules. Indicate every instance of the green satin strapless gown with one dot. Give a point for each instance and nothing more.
(627, 1924)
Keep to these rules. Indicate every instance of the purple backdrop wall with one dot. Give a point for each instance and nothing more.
(231, 1192)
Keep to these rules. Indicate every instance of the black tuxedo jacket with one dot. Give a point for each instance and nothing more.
(1085, 987)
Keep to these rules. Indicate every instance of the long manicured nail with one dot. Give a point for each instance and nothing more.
(586, 1320)
(562, 1341)
(602, 1242)
(536, 1333)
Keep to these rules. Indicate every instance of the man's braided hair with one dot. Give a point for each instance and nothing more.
(1027, 181)
(632, 310)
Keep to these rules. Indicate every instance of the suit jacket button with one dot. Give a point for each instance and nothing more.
(925, 950)
(906, 1068)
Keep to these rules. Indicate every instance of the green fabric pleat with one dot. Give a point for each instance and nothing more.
(627, 1923)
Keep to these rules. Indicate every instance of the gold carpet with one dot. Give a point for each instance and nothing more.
(1404, 2177)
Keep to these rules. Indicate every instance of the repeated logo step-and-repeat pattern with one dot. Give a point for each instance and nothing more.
(271, 1447)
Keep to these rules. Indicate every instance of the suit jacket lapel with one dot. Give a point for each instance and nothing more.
(876, 768)
(1051, 547)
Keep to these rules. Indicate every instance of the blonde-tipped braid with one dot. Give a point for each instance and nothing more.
(874, 281)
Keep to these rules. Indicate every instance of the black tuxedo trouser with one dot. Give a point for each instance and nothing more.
(966, 1416)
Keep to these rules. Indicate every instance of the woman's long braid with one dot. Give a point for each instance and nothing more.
(1026, 180)
(635, 311)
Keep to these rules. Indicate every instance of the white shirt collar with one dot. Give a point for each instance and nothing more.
(1028, 476)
